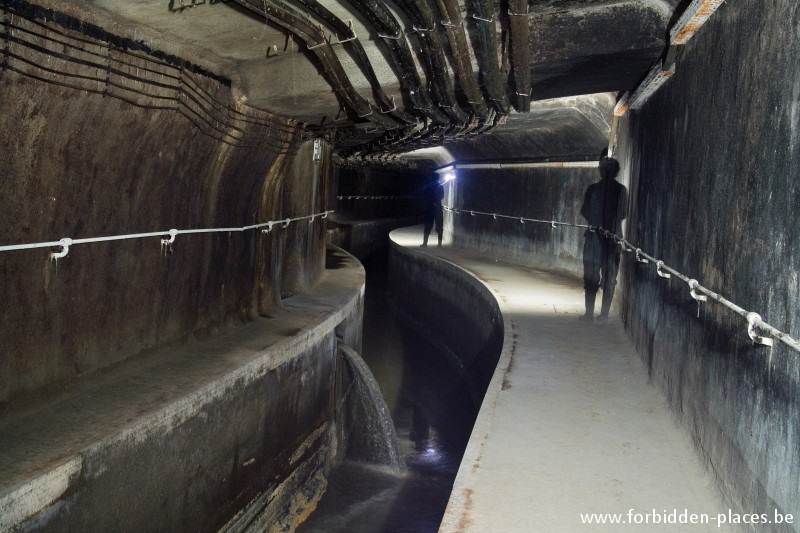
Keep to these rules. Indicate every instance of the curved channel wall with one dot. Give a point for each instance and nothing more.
(452, 309)
(243, 432)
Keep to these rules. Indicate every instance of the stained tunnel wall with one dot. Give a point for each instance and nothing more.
(77, 163)
(365, 193)
(370, 202)
(540, 193)
(714, 162)
(712, 165)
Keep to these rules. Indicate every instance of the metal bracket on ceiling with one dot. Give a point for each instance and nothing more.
(341, 113)
(476, 17)
(421, 30)
(352, 31)
(657, 77)
(448, 24)
(518, 14)
(393, 108)
(323, 42)
(392, 37)
(184, 4)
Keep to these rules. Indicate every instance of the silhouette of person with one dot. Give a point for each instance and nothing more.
(434, 194)
(604, 206)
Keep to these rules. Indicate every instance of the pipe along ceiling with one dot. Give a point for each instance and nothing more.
(379, 78)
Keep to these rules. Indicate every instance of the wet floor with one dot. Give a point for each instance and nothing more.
(433, 415)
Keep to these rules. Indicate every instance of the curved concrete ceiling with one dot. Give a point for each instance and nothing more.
(388, 76)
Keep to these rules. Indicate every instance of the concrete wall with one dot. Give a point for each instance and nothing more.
(404, 186)
(714, 160)
(85, 156)
(540, 193)
(242, 429)
(361, 226)
(450, 308)
(303, 243)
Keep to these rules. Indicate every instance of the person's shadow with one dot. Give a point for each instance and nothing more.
(604, 207)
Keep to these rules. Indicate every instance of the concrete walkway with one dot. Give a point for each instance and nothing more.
(570, 425)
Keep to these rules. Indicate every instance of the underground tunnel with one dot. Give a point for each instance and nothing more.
(399, 265)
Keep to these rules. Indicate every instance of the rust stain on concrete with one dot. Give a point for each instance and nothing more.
(466, 514)
(506, 380)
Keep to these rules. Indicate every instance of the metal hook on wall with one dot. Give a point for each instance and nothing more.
(65, 243)
(659, 265)
(753, 320)
(166, 244)
(693, 284)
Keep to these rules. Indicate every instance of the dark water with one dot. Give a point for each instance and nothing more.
(433, 415)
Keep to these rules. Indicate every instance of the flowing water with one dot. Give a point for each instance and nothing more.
(433, 414)
(377, 441)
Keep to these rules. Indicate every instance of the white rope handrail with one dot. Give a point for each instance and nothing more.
(350, 197)
(552, 223)
(696, 291)
(168, 236)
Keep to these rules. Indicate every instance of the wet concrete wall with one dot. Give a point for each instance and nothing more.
(372, 201)
(714, 160)
(450, 308)
(398, 192)
(539, 193)
(305, 193)
(241, 431)
(172, 148)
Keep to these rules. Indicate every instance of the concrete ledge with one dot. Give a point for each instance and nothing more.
(448, 305)
(180, 443)
(404, 242)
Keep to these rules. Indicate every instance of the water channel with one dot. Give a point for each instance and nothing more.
(433, 414)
